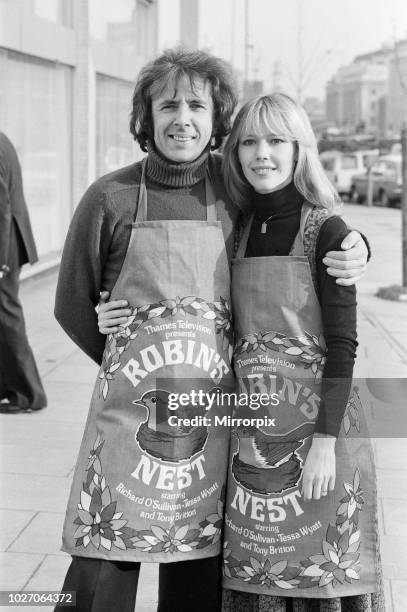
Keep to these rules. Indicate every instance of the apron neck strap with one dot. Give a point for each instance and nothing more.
(141, 211)
(298, 246)
(210, 198)
(241, 249)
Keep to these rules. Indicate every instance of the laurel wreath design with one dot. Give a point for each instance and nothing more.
(309, 348)
(100, 526)
(337, 562)
(119, 342)
(351, 417)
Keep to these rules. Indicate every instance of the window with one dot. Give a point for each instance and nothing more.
(349, 162)
(59, 11)
(129, 25)
(114, 146)
(385, 167)
(328, 164)
(114, 22)
(368, 159)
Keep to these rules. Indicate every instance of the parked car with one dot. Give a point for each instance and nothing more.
(386, 182)
(341, 167)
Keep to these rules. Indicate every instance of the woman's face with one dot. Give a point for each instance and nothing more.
(267, 161)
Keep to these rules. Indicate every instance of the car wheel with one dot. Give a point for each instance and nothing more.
(383, 199)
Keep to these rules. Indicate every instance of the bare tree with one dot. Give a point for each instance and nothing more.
(308, 62)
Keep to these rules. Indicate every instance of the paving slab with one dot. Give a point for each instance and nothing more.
(12, 524)
(399, 593)
(388, 596)
(392, 484)
(34, 492)
(70, 406)
(390, 453)
(47, 577)
(394, 518)
(16, 569)
(74, 374)
(23, 429)
(41, 535)
(43, 460)
(147, 596)
(380, 517)
(50, 574)
(68, 411)
(394, 556)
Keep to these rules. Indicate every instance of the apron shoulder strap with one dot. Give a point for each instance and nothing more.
(211, 213)
(313, 223)
(141, 209)
(240, 225)
(242, 233)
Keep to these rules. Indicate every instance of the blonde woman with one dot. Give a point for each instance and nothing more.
(300, 523)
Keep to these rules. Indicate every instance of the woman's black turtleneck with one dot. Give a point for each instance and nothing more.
(285, 207)
(338, 303)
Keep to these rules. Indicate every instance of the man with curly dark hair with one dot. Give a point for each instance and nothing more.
(182, 107)
(172, 67)
(178, 127)
(146, 233)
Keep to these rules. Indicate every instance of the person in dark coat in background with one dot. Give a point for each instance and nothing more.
(20, 382)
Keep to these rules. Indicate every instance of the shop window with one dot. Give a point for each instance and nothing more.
(115, 147)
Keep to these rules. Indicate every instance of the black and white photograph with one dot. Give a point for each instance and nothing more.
(203, 305)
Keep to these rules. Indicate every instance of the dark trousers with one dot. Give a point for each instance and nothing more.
(111, 586)
(19, 378)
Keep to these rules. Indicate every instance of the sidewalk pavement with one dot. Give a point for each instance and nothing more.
(38, 451)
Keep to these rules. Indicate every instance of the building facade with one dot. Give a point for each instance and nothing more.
(370, 94)
(67, 72)
(354, 95)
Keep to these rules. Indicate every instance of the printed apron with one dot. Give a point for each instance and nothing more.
(275, 542)
(148, 487)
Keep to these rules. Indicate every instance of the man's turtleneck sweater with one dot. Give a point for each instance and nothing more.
(99, 233)
(338, 303)
(175, 190)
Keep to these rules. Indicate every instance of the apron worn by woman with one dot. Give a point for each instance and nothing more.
(275, 542)
(149, 481)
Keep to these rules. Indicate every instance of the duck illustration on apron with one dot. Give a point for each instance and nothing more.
(150, 478)
(275, 542)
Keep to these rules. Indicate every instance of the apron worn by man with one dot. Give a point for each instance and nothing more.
(149, 481)
(275, 542)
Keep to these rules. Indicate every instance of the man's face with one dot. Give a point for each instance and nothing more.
(183, 119)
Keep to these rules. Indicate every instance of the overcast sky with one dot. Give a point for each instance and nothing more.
(333, 32)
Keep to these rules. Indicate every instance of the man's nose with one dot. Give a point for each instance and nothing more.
(183, 115)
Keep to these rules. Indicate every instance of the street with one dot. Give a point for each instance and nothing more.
(38, 450)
